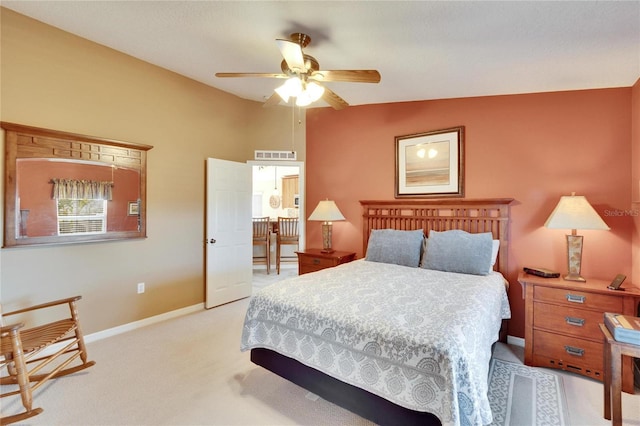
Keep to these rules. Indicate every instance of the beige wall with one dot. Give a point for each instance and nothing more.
(53, 79)
(635, 180)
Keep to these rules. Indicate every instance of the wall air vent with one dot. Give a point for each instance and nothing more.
(275, 155)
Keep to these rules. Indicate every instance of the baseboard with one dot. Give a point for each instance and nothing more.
(127, 327)
(143, 323)
(515, 341)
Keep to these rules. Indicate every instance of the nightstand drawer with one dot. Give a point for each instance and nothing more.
(318, 262)
(570, 351)
(306, 269)
(312, 260)
(569, 320)
(601, 302)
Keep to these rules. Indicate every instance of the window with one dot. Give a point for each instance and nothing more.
(77, 217)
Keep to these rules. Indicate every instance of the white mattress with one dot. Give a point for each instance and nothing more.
(419, 338)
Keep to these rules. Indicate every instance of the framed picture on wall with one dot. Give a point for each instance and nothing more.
(133, 208)
(430, 164)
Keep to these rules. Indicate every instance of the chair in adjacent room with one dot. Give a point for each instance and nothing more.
(287, 235)
(262, 237)
(34, 355)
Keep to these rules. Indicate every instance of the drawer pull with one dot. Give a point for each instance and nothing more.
(574, 351)
(573, 298)
(316, 261)
(578, 322)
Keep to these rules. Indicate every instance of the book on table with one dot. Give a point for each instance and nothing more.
(623, 328)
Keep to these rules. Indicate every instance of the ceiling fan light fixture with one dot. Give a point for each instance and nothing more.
(303, 100)
(315, 91)
(282, 92)
(290, 89)
(298, 68)
(311, 93)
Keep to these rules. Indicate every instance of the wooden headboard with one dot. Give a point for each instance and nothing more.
(471, 215)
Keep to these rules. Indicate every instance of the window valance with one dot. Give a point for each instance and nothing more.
(81, 189)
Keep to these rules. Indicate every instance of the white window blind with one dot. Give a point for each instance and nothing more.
(76, 217)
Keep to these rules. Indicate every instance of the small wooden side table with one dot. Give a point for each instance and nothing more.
(613, 353)
(312, 260)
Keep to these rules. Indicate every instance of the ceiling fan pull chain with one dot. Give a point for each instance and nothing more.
(293, 126)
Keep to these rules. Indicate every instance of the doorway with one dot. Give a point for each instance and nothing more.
(278, 190)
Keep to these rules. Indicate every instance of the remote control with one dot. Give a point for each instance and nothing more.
(617, 282)
(542, 272)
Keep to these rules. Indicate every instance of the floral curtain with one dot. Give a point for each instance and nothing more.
(81, 189)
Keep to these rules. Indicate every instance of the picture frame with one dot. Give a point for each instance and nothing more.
(133, 209)
(430, 164)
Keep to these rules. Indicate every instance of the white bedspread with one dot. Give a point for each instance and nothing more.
(419, 338)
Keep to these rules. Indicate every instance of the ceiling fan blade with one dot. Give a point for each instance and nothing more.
(292, 53)
(353, 76)
(334, 100)
(251, 74)
(273, 100)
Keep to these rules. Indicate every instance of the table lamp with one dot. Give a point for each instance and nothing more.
(574, 212)
(327, 212)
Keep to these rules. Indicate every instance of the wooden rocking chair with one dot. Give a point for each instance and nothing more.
(52, 347)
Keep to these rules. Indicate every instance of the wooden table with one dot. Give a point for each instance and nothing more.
(613, 353)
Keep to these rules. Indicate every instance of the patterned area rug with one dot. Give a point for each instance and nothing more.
(521, 395)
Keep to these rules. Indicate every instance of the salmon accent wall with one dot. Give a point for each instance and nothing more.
(533, 148)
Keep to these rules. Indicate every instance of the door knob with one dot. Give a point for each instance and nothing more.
(212, 241)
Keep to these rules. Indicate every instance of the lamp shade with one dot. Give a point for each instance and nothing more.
(311, 93)
(326, 211)
(290, 89)
(305, 93)
(575, 212)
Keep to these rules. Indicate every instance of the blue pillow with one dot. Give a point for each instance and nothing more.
(459, 251)
(397, 247)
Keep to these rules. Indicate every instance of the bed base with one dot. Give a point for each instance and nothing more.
(352, 398)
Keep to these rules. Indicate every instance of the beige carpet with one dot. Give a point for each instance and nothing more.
(186, 371)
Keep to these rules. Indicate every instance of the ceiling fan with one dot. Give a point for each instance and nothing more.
(303, 74)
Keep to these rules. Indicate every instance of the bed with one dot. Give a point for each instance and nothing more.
(403, 336)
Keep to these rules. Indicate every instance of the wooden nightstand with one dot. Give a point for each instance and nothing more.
(561, 323)
(312, 260)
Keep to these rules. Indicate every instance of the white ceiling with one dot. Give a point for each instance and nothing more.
(423, 50)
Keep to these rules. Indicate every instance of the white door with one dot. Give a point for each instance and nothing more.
(229, 247)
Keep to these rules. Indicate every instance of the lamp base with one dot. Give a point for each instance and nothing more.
(574, 257)
(574, 278)
(326, 238)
